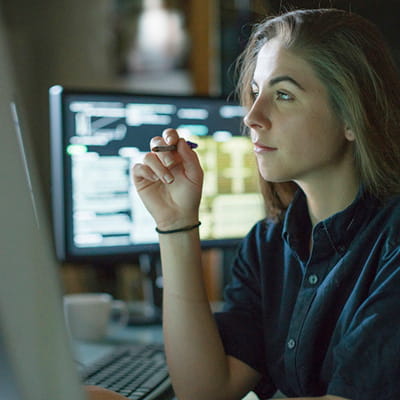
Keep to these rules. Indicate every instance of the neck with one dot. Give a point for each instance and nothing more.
(329, 196)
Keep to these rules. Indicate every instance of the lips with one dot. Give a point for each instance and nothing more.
(260, 148)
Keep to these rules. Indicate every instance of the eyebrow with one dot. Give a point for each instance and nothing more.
(278, 79)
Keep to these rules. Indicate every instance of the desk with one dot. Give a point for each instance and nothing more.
(88, 352)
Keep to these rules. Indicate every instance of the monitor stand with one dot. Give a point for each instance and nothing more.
(148, 311)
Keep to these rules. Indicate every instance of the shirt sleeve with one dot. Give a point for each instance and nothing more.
(240, 324)
(367, 359)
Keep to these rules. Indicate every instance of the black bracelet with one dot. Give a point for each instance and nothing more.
(186, 228)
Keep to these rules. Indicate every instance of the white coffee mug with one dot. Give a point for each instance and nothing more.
(88, 315)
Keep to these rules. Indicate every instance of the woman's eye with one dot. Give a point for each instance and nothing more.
(254, 94)
(283, 96)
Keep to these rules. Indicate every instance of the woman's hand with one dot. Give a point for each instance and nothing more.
(170, 183)
(98, 393)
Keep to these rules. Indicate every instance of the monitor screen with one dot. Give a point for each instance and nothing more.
(96, 137)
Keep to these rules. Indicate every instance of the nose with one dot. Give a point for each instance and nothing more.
(257, 117)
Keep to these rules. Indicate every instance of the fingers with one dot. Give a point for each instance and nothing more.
(98, 393)
(152, 169)
(169, 137)
(143, 172)
(168, 158)
(190, 162)
(159, 165)
(180, 152)
(186, 153)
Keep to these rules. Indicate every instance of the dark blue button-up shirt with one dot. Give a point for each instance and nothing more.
(325, 321)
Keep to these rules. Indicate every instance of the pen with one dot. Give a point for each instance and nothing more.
(172, 147)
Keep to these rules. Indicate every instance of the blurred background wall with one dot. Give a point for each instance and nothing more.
(136, 44)
(158, 46)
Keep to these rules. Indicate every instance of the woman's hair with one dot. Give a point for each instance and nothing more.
(352, 60)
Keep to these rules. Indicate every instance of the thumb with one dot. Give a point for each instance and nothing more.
(190, 161)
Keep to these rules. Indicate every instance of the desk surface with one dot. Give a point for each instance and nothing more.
(88, 352)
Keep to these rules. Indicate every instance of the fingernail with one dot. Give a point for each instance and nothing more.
(168, 178)
(168, 161)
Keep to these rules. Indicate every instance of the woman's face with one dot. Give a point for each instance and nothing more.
(295, 133)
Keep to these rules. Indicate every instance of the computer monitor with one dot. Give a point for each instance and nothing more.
(96, 138)
(36, 361)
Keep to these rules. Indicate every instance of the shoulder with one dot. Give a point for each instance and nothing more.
(389, 213)
(264, 232)
(261, 246)
(392, 206)
(380, 234)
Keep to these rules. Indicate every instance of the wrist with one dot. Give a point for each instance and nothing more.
(177, 223)
(180, 229)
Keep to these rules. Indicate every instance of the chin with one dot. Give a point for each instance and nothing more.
(276, 174)
(270, 174)
(274, 178)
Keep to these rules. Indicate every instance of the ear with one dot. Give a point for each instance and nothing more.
(349, 134)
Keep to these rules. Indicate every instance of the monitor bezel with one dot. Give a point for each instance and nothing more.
(61, 200)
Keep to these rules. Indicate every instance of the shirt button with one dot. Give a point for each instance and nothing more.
(313, 279)
(291, 344)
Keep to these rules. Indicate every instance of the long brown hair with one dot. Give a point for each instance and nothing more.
(351, 58)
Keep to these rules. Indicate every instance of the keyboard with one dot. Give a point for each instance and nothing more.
(138, 372)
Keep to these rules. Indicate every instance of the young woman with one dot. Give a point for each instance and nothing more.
(312, 309)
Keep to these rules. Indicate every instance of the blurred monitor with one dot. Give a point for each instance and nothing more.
(35, 357)
(96, 138)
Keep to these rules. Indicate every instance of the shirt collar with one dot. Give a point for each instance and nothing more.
(334, 233)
